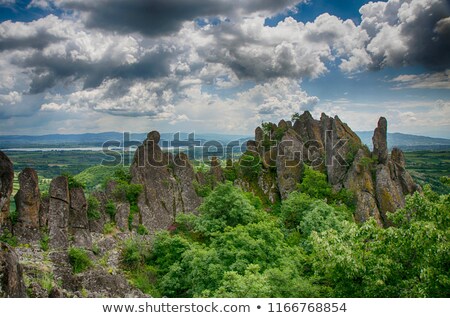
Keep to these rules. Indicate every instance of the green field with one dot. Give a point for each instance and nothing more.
(427, 167)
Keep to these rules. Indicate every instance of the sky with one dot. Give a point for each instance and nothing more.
(220, 66)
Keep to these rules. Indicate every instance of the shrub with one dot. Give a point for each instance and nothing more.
(250, 165)
(14, 217)
(109, 227)
(92, 212)
(142, 230)
(225, 206)
(73, 182)
(45, 238)
(8, 238)
(202, 190)
(315, 184)
(134, 254)
(110, 209)
(79, 259)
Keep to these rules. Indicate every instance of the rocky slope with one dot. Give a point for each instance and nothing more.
(48, 227)
(378, 180)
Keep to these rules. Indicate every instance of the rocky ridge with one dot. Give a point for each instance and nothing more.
(378, 180)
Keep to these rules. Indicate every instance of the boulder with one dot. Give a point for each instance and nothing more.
(379, 140)
(11, 277)
(6, 186)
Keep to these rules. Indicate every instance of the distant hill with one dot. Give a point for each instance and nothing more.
(407, 142)
(404, 141)
(97, 139)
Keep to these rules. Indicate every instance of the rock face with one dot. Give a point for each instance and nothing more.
(78, 220)
(289, 163)
(359, 181)
(96, 225)
(58, 212)
(11, 278)
(184, 173)
(378, 181)
(6, 186)
(216, 170)
(379, 140)
(165, 193)
(28, 198)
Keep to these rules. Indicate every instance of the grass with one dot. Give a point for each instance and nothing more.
(79, 259)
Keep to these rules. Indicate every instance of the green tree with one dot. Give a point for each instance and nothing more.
(225, 206)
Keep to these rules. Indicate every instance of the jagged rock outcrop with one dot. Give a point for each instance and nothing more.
(341, 144)
(289, 163)
(28, 201)
(379, 181)
(359, 181)
(97, 224)
(379, 140)
(184, 174)
(78, 219)
(122, 215)
(404, 178)
(216, 171)
(58, 213)
(162, 197)
(6, 186)
(11, 277)
(393, 182)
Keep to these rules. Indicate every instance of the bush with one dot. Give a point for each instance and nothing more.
(93, 212)
(73, 182)
(8, 238)
(109, 227)
(225, 206)
(79, 259)
(202, 190)
(110, 209)
(45, 238)
(14, 216)
(134, 254)
(142, 230)
(250, 165)
(314, 183)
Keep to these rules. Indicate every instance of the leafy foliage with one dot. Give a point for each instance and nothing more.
(93, 212)
(226, 206)
(250, 165)
(410, 259)
(73, 182)
(79, 259)
(110, 209)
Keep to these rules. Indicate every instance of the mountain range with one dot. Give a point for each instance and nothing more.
(405, 142)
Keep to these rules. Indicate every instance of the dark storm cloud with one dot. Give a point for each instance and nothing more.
(162, 17)
(38, 41)
(48, 71)
(412, 32)
(429, 37)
